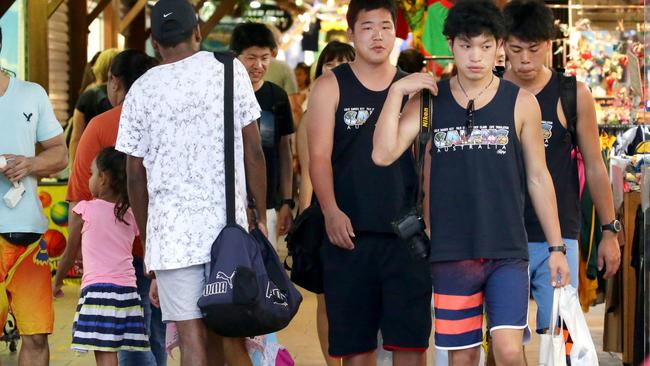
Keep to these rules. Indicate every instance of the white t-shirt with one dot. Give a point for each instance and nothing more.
(172, 117)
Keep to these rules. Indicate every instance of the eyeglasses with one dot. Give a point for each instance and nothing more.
(469, 121)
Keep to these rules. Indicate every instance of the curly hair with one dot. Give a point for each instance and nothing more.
(529, 20)
(471, 18)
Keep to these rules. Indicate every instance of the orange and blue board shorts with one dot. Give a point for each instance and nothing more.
(26, 287)
(462, 290)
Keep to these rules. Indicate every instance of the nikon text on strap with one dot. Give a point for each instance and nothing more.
(426, 113)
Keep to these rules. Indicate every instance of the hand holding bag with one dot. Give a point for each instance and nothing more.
(552, 350)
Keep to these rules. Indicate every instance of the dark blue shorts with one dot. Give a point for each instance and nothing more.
(463, 289)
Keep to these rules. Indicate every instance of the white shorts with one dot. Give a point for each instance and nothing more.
(179, 290)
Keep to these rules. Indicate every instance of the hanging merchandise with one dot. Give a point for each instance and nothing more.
(600, 60)
(433, 41)
(402, 29)
(413, 11)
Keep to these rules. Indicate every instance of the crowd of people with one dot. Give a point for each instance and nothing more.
(147, 187)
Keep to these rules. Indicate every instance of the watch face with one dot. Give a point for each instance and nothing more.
(617, 225)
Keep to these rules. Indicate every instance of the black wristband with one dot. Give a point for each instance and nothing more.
(290, 202)
(558, 248)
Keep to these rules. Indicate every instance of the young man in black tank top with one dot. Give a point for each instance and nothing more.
(371, 281)
(530, 27)
(486, 147)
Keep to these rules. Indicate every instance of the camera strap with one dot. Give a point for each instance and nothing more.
(426, 111)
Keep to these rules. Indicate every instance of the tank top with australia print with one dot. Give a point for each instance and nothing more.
(477, 185)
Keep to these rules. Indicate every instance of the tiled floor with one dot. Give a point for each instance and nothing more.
(300, 337)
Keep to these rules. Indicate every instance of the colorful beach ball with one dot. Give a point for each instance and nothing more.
(59, 213)
(46, 199)
(54, 242)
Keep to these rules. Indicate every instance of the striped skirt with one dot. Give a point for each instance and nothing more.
(109, 318)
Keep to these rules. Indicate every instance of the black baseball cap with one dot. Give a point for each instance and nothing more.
(171, 20)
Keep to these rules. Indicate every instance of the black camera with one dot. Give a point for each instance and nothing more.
(410, 228)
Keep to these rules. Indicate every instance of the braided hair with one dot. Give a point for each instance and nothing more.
(113, 163)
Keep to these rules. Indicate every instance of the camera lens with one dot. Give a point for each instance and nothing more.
(419, 247)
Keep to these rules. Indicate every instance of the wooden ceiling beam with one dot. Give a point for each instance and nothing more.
(133, 12)
(225, 7)
(98, 10)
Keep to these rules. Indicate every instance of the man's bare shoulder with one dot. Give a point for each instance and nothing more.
(583, 93)
(526, 100)
(326, 82)
(325, 90)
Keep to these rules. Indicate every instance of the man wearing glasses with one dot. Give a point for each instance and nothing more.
(486, 147)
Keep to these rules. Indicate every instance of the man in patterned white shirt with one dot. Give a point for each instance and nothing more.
(172, 129)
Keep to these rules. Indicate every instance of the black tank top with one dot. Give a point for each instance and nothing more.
(478, 183)
(563, 168)
(370, 195)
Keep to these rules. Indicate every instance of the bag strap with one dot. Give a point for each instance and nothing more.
(227, 59)
(426, 113)
(569, 102)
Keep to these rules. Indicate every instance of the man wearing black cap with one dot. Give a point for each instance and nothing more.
(172, 129)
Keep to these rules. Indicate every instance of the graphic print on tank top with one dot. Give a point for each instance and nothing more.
(480, 184)
(355, 175)
(482, 137)
(547, 131)
(356, 116)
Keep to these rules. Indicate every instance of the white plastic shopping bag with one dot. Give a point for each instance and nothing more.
(583, 351)
(552, 351)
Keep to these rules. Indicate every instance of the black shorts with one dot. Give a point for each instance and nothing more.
(376, 286)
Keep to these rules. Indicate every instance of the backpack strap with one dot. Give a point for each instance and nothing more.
(227, 59)
(569, 102)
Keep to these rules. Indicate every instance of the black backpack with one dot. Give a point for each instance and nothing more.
(248, 292)
(569, 102)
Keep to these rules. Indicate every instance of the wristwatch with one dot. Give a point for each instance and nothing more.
(290, 202)
(614, 226)
(557, 248)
